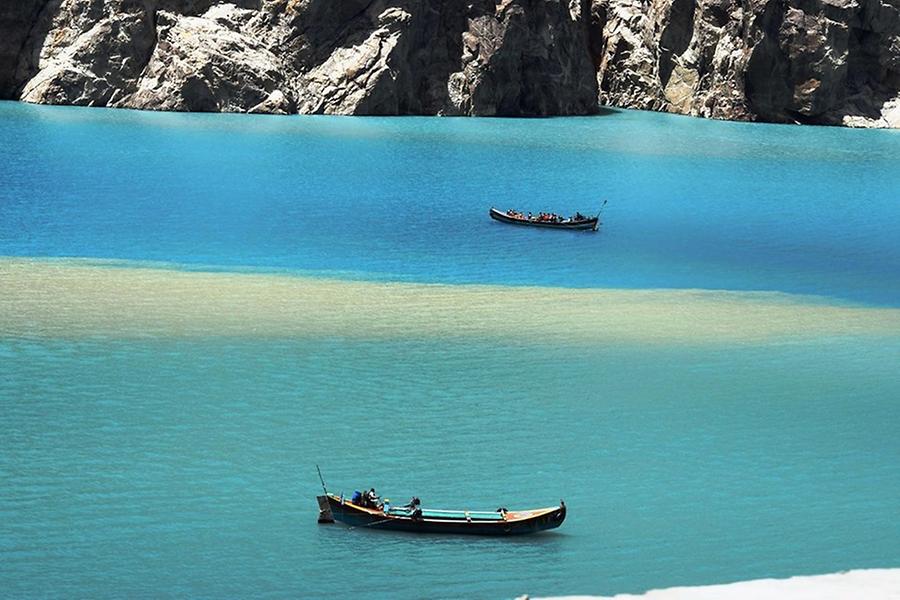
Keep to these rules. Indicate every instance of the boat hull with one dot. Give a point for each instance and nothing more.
(516, 523)
(581, 225)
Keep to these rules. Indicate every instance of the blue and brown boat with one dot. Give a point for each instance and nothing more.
(425, 520)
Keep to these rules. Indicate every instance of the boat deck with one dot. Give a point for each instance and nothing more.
(460, 515)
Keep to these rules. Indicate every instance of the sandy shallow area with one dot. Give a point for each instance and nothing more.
(862, 584)
(71, 298)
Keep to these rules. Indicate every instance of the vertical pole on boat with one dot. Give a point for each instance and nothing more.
(324, 489)
(325, 515)
(599, 212)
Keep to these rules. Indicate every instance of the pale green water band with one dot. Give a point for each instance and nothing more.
(74, 298)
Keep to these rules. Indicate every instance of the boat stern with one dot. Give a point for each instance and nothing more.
(325, 514)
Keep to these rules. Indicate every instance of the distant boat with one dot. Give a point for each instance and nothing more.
(516, 218)
(425, 520)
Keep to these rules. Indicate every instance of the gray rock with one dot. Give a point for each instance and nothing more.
(794, 61)
(806, 61)
(359, 78)
(526, 57)
(209, 63)
(276, 104)
(514, 58)
(93, 62)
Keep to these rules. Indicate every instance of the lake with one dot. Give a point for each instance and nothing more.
(195, 310)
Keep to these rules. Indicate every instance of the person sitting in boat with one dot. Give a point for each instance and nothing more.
(372, 499)
(362, 499)
(579, 217)
(414, 508)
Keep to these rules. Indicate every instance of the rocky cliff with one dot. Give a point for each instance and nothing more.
(808, 61)
(805, 61)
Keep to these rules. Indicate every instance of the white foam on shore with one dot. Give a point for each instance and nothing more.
(65, 298)
(861, 584)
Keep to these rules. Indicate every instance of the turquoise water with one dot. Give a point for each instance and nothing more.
(183, 464)
(187, 467)
(692, 203)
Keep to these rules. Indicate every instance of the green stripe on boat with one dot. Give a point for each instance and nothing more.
(451, 514)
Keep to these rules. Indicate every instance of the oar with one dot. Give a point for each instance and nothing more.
(325, 489)
(370, 524)
(599, 212)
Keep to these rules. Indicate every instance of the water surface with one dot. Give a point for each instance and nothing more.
(187, 465)
(692, 203)
(197, 309)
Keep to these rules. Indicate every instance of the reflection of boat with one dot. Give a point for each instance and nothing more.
(501, 522)
(577, 222)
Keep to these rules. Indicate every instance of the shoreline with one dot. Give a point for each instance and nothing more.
(871, 584)
(603, 110)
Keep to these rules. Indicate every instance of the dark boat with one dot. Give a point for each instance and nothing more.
(577, 222)
(424, 520)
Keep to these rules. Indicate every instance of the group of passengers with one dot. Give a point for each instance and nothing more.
(371, 499)
(368, 499)
(543, 217)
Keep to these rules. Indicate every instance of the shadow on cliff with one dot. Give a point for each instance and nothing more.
(517, 58)
(816, 63)
(25, 65)
(428, 51)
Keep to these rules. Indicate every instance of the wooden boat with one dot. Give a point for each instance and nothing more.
(500, 522)
(570, 223)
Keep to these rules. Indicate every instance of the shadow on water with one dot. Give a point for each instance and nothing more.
(602, 111)
(536, 539)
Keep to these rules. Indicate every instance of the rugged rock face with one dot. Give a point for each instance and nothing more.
(216, 62)
(516, 57)
(806, 61)
(88, 57)
(519, 55)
